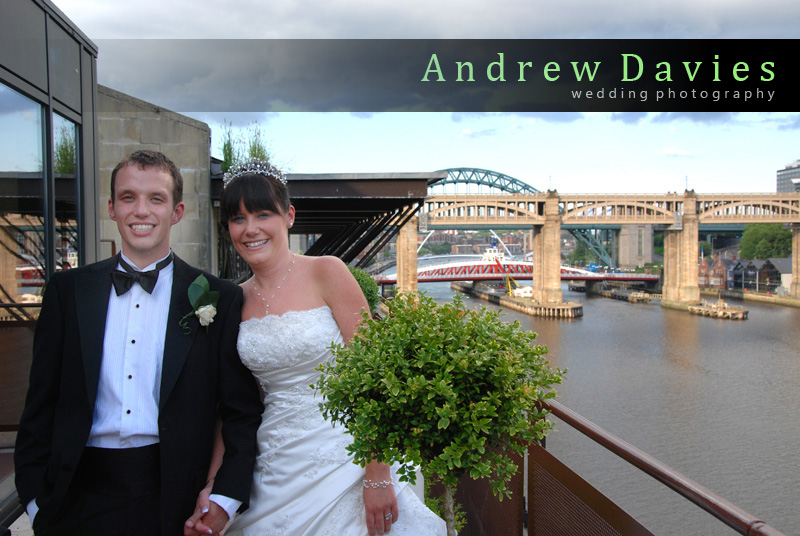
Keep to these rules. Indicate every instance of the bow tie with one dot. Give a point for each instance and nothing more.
(123, 281)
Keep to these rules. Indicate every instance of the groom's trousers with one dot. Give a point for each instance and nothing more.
(114, 492)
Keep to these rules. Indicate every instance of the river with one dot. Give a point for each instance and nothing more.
(716, 400)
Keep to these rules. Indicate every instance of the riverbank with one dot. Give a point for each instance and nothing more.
(523, 305)
(753, 297)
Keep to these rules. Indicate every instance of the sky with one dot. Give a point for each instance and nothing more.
(572, 152)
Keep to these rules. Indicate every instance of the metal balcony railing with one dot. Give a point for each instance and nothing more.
(558, 502)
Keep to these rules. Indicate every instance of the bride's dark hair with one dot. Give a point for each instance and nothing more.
(257, 192)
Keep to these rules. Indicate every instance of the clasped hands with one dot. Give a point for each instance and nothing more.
(208, 517)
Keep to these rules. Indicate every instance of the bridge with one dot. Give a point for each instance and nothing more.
(679, 215)
(480, 270)
(517, 211)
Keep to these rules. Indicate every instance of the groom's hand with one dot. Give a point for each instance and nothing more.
(211, 522)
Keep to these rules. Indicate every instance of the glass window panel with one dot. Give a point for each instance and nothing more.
(65, 165)
(21, 204)
(65, 58)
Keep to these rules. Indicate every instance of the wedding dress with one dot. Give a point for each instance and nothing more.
(305, 482)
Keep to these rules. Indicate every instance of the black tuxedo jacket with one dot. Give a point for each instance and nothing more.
(202, 377)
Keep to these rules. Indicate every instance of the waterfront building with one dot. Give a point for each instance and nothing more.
(723, 273)
(789, 178)
(703, 273)
(777, 271)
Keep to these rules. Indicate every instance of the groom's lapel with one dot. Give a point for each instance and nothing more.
(92, 288)
(177, 342)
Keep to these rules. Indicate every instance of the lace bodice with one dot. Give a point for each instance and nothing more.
(282, 351)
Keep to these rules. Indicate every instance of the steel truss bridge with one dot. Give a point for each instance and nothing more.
(498, 182)
(495, 271)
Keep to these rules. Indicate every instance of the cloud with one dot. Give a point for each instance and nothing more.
(790, 123)
(247, 75)
(12, 102)
(467, 133)
(675, 152)
(629, 117)
(696, 117)
(552, 117)
(447, 19)
(234, 119)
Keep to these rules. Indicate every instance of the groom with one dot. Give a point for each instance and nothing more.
(125, 388)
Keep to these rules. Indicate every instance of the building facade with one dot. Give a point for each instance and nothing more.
(789, 178)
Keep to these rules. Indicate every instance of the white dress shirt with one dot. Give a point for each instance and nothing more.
(126, 409)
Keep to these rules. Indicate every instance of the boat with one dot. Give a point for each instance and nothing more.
(720, 309)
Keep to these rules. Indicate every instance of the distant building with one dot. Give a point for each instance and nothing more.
(703, 277)
(780, 269)
(789, 178)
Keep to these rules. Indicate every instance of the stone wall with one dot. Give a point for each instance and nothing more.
(126, 124)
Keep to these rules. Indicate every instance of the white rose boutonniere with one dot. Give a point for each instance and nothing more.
(204, 303)
(206, 314)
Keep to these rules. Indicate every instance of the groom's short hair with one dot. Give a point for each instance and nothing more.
(145, 159)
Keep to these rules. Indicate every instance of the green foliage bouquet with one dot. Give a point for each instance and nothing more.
(447, 388)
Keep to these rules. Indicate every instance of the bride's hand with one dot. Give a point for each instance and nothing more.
(200, 508)
(380, 501)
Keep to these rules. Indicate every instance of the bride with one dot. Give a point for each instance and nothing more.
(295, 307)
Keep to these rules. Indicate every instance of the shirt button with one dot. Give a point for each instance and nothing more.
(137, 305)
(128, 412)
(130, 376)
(133, 341)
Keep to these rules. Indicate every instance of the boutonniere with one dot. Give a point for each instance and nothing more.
(204, 302)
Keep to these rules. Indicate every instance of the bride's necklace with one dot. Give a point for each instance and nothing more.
(277, 288)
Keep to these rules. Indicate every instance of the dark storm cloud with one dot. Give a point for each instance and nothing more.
(363, 76)
(279, 75)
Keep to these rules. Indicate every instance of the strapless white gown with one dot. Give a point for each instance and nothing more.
(305, 482)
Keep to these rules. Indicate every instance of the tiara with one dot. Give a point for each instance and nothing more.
(253, 167)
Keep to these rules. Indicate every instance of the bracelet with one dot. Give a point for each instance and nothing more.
(210, 480)
(375, 485)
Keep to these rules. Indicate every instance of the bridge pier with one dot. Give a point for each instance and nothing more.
(681, 253)
(546, 251)
(407, 257)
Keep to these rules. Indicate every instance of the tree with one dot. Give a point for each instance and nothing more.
(256, 147)
(581, 255)
(765, 240)
(435, 249)
(658, 243)
(230, 151)
(64, 154)
(446, 388)
(236, 149)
